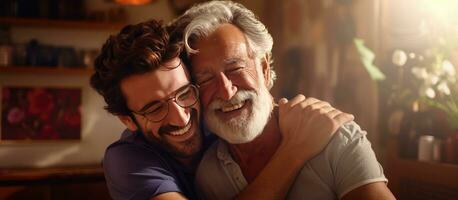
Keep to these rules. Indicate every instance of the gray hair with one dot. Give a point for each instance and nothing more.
(202, 19)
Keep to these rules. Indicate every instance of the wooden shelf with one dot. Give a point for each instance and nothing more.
(68, 24)
(70, 183)
(413, 179)
(44, 70)
(24, 176)
(429, 171)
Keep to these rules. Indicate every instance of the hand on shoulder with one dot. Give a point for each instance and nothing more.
(308, 124)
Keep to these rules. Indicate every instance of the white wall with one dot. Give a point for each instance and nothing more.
(99, 129)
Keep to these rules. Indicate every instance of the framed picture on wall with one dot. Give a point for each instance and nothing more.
(40, 114)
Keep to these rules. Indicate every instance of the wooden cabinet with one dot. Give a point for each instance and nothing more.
(412, 179)
(69, 183)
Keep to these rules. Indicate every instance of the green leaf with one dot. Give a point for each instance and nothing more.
(367, 58)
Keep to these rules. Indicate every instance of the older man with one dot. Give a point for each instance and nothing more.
(230, 54)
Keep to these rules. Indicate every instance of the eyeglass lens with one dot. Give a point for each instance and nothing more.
(184, 98)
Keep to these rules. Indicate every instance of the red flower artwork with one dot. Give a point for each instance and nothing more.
(15, 115)
(41, 114)
(41, 103)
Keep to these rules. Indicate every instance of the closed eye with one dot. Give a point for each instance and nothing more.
(204, 80)
(184, 94)
(154, 109)
(236, 69)
(235, 72)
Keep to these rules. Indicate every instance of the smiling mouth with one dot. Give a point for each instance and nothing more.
(233, 107)
(181, 131)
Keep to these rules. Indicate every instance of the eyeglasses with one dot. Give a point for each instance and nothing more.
(156, 111)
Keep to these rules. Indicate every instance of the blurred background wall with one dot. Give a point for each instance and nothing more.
(314, 54)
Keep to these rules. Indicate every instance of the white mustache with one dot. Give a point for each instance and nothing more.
(239, 97)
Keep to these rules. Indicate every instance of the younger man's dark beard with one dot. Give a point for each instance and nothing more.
(167, 146)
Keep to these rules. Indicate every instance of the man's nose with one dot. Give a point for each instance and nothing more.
(178, 116)
(226, 90)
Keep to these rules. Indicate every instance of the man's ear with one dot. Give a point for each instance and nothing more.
(128, 122)
(265, 69)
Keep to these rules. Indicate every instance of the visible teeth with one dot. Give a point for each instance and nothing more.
(232, 107)
(181, 131)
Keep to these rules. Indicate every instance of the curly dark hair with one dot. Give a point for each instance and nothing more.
(136, 49)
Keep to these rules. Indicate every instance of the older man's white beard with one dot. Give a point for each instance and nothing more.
(243, 128)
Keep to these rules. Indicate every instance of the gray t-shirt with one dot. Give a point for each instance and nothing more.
(347, 163)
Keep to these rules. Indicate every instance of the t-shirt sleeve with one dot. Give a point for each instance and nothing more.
(354, 163)
(131, 173)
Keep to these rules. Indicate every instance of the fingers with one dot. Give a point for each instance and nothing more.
(333, 113)
(282, 101)
(308, 102)
(325, 109)
(297, 99)
(301, 104)
(286, 106)
(343, 118)
(315, 104)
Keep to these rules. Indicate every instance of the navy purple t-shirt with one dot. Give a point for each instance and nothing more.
(136, 169)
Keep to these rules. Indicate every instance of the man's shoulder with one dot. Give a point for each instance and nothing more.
(122, 162)
(349, 132)
(130, 154)
(127, 137)
(134, 169)
(347, 162)
(347, 136)
(131, 143)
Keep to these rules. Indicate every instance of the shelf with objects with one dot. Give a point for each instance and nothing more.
(410, 178)
(34, 51)
(45, 70)
(40, 58)
(75, 14)
(59, 23)
(35, 57)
